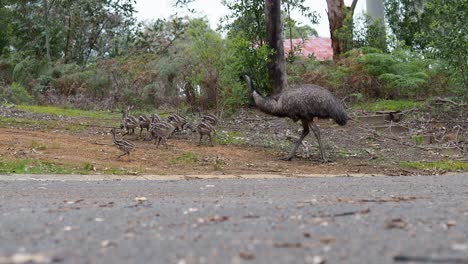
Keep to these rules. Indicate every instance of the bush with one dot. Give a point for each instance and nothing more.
(16, 93)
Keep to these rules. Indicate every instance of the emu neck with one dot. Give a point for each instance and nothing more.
(113, 137)
(267, 104)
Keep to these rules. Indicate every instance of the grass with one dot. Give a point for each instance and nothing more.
(27, 166)
(30, 166)
(40, 124)
(37, 145)
(229, 138)
(53, 110)
(448, 165)
(388, 105)
(186, 158)
(418, 139)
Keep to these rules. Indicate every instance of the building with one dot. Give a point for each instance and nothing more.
(319, 47)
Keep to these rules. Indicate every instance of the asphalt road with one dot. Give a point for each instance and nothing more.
(295, 220)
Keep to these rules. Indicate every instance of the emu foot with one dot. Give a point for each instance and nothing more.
(287, 158)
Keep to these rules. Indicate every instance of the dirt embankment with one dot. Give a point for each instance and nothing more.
(250, 143)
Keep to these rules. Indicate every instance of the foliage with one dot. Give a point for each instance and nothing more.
(439, 29)
(76, 30)
(53, 110)
(28, 166)
(388, 105)
(186, 158)
(406, 19)
(16, 94)
(448, 165)
(92, 54)
(447, 35)
(369, 32)
(404, 73)
(229, 138)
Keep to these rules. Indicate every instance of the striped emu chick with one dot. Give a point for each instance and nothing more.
(205, 129)
(144, 122)
(160, 131)
(177, 120)
(125, 146)
(154, 120)
(210, 118)
(129, 123)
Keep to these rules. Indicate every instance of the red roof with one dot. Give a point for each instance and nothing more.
(319, 47)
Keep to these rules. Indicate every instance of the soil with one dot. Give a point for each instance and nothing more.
(251, 143)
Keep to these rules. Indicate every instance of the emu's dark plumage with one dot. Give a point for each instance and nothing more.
(302, 102)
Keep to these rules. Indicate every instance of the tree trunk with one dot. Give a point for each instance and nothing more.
(336, 15)
(277, 65)
(47, 33)
(67, 43)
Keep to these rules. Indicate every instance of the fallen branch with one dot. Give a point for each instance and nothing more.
(429, 259)
(392, 199)
(445, 100)
(365, 211)
(102, 144)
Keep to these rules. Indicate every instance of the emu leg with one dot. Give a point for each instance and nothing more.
(305, 132)
(141, 130)
(316, 131)
(199, 142)
(211, 140)
(122, 155)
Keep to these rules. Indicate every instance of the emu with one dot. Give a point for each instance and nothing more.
(205, 128)
(210, 118)
(177, 120)
(129, 123)
(123, 145)
(302, 102)
(160, 131)
(144, 122)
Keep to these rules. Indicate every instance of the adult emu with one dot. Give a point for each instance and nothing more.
(302, 102)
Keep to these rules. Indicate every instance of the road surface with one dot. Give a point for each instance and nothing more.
(284, 220)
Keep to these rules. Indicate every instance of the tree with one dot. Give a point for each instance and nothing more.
(438, 29)
(69, 30)
(277, 65)
(405, 18)
(337, 15)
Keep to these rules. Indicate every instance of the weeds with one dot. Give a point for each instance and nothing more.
(40, 124)
(229, 138)
(27, 166)
(53, 110)
(38, 146)
(448, 165)
(186, 158)
(388, 105)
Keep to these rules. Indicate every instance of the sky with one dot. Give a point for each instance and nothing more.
(214, 10)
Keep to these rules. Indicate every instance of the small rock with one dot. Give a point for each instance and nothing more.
(396, 223)
(315, 260)
(107, 243)
(246, 255)
(22, 258)
(460, 247)
(141, 199)
(327, 240)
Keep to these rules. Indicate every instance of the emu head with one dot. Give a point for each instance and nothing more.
(246, 78)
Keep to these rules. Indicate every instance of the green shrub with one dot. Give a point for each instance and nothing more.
(16, 93)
